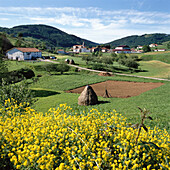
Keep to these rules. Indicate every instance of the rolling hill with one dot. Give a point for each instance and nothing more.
(5, 44)
(51, 36)
(145, 39)
(40, 35)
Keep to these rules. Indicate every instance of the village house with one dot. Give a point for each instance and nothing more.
(61, 51)
(139, 47)
(122, 49)
(160, 50)
(80, 49)
(104, 50)
(153, 45)
(17, 53)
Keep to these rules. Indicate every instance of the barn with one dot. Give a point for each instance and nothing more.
(23, 53)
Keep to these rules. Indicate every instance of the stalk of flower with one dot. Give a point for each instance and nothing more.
(84, 143)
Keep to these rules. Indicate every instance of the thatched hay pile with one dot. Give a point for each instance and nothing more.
(88, 97)
(104, 74)
(71, 61)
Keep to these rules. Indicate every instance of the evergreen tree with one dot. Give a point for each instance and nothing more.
(146, 48)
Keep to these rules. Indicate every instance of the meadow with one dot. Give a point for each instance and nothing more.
(49, 93)
(57, 133)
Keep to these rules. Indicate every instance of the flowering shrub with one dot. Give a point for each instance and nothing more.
(62, 139)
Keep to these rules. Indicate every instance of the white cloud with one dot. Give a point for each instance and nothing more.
(91, 23)
(4, 19)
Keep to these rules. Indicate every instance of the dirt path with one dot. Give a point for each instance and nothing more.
(97, 71)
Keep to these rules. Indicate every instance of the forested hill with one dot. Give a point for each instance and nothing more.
(5, 44)
(51, 36)
(145, 39)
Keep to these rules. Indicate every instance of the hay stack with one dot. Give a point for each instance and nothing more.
(104, 74)
(71, 61)
(88, 97)
(67, 61)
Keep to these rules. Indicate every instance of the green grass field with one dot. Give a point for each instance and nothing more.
(156, 100)
(160, 56)
(154, 68)
(49, 92)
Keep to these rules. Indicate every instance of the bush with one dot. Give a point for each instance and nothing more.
(19, 92)
(54, 68)
(50, 67)
(98, 67)
(19, 75)
(62, 68)
(131, 63)
(3, 68)
(65, 139)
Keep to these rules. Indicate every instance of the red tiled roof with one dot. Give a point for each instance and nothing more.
(28, 49)
(121, 50)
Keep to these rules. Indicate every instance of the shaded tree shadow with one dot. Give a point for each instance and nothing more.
(137, 71)
(43, 93)
(120, 70)
(103, 102)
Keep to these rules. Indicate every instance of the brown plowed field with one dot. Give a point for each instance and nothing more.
(120, 89)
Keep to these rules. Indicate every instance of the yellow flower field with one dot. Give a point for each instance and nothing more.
(63, 139)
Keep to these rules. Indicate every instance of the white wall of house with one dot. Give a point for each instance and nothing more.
(126, 52)
(80, 49)
(29, 55)
(84, 50)
(15, 54)
(160, 50)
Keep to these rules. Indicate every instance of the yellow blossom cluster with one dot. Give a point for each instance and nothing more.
(63, 139)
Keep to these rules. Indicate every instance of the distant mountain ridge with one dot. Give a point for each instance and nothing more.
(52, 36)
(146, 39)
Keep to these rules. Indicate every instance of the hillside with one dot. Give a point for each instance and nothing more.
(5, 44)
(50, 36)
(145, 39)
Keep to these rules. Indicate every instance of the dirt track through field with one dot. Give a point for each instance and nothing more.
(119, 89)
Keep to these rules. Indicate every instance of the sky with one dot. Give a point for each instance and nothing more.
(100, 21)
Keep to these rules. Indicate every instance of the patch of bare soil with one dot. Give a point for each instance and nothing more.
(119, 89)
(104, 74)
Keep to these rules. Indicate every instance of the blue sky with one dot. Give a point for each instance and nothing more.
(96, 20)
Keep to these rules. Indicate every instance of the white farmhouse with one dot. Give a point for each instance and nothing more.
(80, 49)
(23, 53)
(153, 45)
(160, 50)
(122, 49)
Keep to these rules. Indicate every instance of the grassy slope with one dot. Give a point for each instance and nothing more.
(49, 91)
(160, 56)
(154, 68)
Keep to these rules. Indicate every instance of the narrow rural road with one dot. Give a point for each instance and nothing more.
(98, 71)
